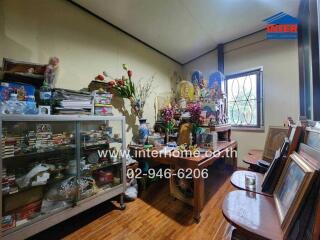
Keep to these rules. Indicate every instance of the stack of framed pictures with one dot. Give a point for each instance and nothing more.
(293, 188)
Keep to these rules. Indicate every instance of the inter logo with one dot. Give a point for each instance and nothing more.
(282, 26)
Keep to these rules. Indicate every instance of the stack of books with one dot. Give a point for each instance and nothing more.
(8, 147)
(70, 102)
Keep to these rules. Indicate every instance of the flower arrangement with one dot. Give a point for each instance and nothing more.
(143, 91)
(125, 88)
(167, 115)
(195, 116)
(195, 111)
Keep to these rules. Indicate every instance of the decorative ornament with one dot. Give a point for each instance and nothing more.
(196, 77)
(215, 83)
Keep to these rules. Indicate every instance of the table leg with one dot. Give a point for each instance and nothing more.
(234, 158)
(122, 204)
(198, 197)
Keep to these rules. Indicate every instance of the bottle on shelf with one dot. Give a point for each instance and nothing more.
(45, 94)
(3, 107)
(31, 106)
(14, 106)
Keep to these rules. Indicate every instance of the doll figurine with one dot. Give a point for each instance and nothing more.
(51, 71)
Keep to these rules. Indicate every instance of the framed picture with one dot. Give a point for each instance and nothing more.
(274, 140)
(292, 188)
(312, 137)
(273, 173)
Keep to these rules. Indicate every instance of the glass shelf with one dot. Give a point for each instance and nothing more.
(50, 166)
(105, 170)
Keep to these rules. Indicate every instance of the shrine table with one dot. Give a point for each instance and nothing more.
(224, 148)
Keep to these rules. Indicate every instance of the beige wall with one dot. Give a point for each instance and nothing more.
(279, 60)
(207, 64)
(37, 29)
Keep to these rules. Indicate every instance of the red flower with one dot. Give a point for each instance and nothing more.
(111, 83)
(120, 82)
(99, 77)
(129, 73)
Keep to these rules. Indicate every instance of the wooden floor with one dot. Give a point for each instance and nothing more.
(155, 215)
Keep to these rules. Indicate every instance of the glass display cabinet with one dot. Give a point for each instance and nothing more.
(54, 167)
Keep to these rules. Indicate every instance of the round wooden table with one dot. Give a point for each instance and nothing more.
(254, 215)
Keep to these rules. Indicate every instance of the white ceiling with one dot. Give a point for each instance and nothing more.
(185, 29)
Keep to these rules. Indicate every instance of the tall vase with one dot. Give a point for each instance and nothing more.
(143, 131)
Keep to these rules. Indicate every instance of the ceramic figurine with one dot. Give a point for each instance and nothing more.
(215, 80)
(203, 89)
(182, 103)
(196, 77)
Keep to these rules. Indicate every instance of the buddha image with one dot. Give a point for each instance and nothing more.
(186, 90)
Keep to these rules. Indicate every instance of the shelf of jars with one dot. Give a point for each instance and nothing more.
(51, 164)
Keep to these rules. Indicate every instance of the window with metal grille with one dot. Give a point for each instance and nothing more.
(245, 100)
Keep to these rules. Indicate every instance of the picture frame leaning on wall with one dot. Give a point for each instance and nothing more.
(292, 189)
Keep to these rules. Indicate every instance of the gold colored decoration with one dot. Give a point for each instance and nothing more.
(185, 90)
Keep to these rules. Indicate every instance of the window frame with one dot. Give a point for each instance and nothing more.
(260, 100)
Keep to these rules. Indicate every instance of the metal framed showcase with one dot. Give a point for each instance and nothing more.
(54, 167)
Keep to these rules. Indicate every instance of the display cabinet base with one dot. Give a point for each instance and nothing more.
(36, 227)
